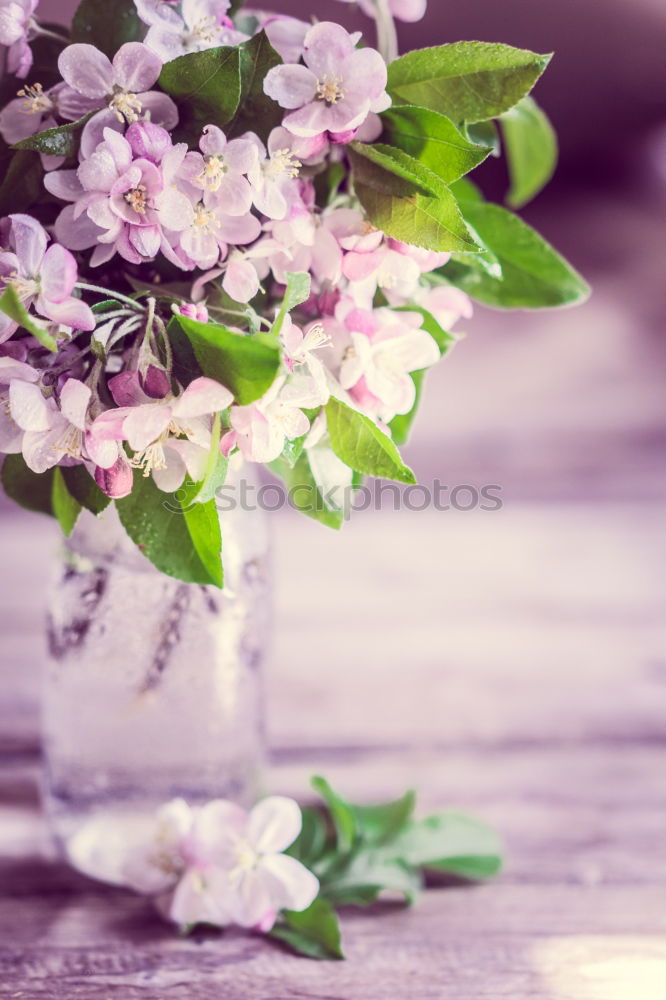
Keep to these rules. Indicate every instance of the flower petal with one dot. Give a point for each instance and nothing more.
(28, 407)
(202, 396)
(274, 824)
(74, 401)
(292, 885)
(290, 85)
(30, 242)
(146, 423)
(86, 70)
(58, 273)
(136, 67)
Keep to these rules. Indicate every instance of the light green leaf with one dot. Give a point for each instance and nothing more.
(216, 468)
(450, 842)
(433, 140)
(379, 823)
(369, 872)
(312, 840)
(65, 507)
(466, 81)
(107, 25)
(396, 192)
(12, 306)
(534, 275)
(305, 495)
(60, 141)
(25, 487)
(531, 148)
(180, 538)
(256, 112)
(362, 446)
(206, 86)
(244, 364)
(297, 291)
(314, 932)
(84, 489)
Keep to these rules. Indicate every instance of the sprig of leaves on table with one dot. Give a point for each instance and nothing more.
(358, 852)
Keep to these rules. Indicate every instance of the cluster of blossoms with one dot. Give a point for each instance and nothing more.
(238, 215)
(212, 864)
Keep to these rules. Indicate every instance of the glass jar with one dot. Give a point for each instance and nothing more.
(152, 688)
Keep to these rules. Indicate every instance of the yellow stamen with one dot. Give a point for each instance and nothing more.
(329, 89)
(36, 101)
(282, 162)
(126, 107)
(137, 199)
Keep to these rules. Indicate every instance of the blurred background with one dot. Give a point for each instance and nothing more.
(462, 618)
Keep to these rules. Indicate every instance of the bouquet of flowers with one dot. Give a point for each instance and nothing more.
(233, 235)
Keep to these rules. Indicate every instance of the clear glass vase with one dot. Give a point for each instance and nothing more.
(152, 688)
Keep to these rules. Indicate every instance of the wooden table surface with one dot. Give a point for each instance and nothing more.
(525, 684)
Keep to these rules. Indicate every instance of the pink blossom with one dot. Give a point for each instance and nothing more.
(261, 429)
(32, 111)
(446, 303)
(194, 310)
(43, 278)
(16, 30)
(152, 426)
(220, 169)
(286, 35)
(127, 201)
(273, 174)
(53, 432)
(118, 479)
(200, 24)
(11, 371)
(403, 10)
(121, 88)
(335, 90)
(298, 349)
(375, 369)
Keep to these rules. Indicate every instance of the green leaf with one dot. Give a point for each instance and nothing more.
(466, 81)
(25, 487)
(65, 507)
(312, 840)
(379, 823)
(314, 932)
(531, 148)
(341, 814)
(305, 495)
(60, 141)
(22, 182)
(84, 489)
(297, 291)
(433, 140)
(369, 872)
(394, 191)
(180, 538)
(12, 306)
(206, 86)
(450, 842)
(107, 25)
(256, 111)
(362, 446)
(244, 364)
(484, 134)
(534, 275)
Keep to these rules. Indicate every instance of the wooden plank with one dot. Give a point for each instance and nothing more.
(485, 943)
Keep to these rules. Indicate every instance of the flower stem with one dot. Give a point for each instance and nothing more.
(112, 295)
(387, 36)
(47, 33)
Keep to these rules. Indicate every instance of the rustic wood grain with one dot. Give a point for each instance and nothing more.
(526, 684)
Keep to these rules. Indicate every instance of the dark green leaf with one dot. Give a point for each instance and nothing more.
(244, 364)
(12, 306)
(25, 487)
(314, 932)
(402, 207)
(531, 149)
(362, 445)
(256, 112)
(107, 24)
(84, 489)
(180, 538)
(341, 814)
(22, 182)
(61, 141)
(304, 494)
(433, 140)
(466, 81)
(206, 86)
(65, 507)
(534, 275)
(450, 842)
